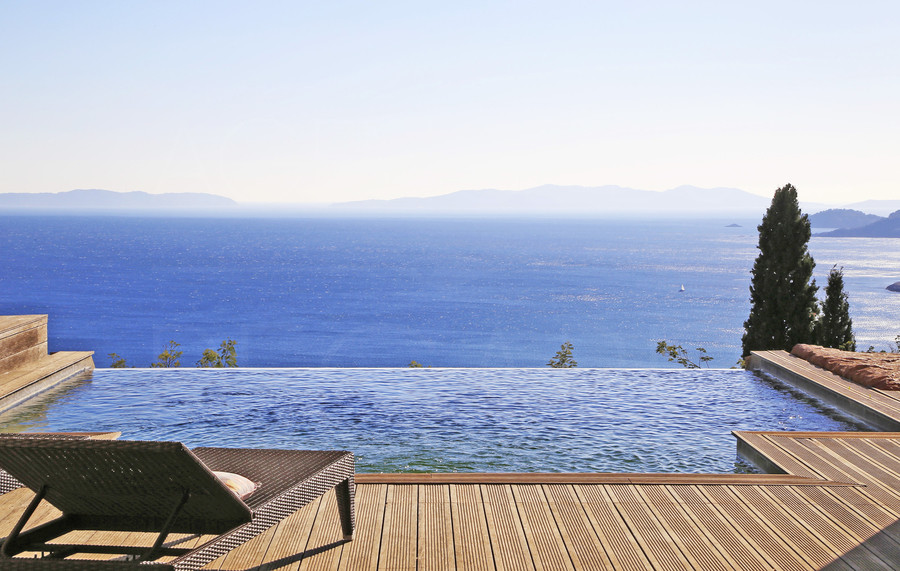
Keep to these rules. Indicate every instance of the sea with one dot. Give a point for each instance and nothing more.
(380, 292)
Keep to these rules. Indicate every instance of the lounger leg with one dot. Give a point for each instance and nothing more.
(151, 553)
(8, 547)
(346, 497)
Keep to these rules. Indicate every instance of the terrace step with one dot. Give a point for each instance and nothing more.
(23, 340)
(22, 383)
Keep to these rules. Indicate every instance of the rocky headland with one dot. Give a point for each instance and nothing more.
(842, 218)
(885, 228)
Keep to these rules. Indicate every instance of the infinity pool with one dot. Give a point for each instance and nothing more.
(496, 420)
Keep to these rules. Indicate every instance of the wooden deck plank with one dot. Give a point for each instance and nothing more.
(11, 507)
(660, 548)
(133, 539)
(880, 515)
(756, 531)
(323, 551)
(767, 445)
(694, 544)
(817, 461)
(802, 538)
(848, 464)
(584, 547)
(186, 541)
(842, 538)
(361, 554)
(511, 551)
(875, 455)
(889, 394)
(399, 533)
(435, 534)
(471, 538)
(548, 551)
(729, 542)
(855, 511)
(613, 533)
(586, 478)
(811, 523)
(246, 556)
(290, 539)
(890, 446)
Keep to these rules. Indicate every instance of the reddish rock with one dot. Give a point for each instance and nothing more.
(877, 370)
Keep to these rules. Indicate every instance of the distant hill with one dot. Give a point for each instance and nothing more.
(842, 218)
(879, 207)
(96, 200)
(573, 200)
(885, 228)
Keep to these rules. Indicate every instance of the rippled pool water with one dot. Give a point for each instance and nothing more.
(497, 420)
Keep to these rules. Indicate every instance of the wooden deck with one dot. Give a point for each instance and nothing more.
(836, 506)
(831, 501)
(877, 408)
(26, 368)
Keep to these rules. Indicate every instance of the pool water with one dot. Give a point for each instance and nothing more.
(486, 420)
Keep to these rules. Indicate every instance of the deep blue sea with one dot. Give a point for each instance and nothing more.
(383, 292)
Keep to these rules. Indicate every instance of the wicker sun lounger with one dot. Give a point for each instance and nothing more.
(163, 488)
(8, 483)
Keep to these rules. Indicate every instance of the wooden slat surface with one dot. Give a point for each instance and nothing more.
(471, 538)
(588, 478)
(507, 536)
(586, 526)
(362, 553)
(21, 377)
(884, 402)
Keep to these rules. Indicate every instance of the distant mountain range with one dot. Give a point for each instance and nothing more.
(553, 200)
(93, 200)
(546, 200)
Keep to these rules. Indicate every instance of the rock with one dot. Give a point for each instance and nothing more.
(876, 370)
(894, 287)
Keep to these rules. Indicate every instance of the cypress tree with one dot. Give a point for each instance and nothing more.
(835, 326)
(783, 305)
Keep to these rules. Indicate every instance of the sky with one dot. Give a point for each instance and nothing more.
(334, 101)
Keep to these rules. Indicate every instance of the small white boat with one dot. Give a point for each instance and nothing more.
(682, 287)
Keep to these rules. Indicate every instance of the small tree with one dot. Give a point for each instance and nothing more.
(117, 362)
(895, 348)
(225, 357)
(679, 354)
(835, 328)
(563, 358)
(169, 357)
(783, 305)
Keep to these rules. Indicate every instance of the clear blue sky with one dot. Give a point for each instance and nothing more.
(333, 101)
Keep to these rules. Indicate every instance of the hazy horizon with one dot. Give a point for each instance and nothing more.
(545, 200)
(345, 101)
